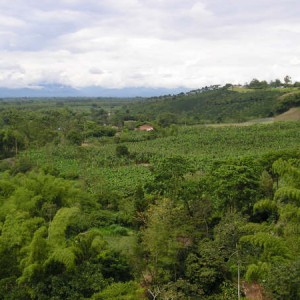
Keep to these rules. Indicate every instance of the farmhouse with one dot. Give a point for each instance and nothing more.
(145, 127)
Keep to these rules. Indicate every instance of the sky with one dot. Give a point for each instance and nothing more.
(147, 43)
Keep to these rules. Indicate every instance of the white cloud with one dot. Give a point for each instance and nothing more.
(151, 43)
(10, 22)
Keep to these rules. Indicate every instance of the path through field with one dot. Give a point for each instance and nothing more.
(292, 114)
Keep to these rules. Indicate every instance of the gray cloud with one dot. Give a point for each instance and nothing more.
(96, 71)
(151, 43)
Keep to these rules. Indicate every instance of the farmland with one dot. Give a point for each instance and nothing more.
(91, 208)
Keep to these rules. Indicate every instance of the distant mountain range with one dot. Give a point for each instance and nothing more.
(57, 90)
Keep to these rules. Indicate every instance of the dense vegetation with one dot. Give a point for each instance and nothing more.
(217, 104)
(92, 209)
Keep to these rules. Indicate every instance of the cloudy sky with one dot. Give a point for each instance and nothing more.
(147, 43)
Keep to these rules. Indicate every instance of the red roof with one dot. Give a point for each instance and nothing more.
(145, 127)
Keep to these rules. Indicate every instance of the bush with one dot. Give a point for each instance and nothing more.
(122, 150)
(122, 291)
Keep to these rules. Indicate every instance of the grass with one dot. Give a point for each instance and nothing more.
(120, 239)
(240, 89)
(246, 90)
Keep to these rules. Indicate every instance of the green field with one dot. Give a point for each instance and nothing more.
(202, 145)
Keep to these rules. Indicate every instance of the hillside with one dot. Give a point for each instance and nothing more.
(212, 105)
(89, 210)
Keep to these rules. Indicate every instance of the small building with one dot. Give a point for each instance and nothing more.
(145, 127)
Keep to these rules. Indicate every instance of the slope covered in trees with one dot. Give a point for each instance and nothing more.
(89, 210)
(216, 104)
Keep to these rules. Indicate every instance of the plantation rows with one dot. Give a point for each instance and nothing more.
(200, 144)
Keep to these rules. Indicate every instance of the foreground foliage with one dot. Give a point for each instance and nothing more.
(86, 213)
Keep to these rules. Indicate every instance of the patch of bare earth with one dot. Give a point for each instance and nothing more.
(254, 291)
(292, 114)
(248, 123)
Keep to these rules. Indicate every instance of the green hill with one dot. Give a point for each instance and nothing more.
(212, 105)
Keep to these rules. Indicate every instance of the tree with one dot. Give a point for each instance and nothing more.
(122, 150)
(169, 174)
(164, 235)
(235, 186)
(11, 141)
(74, 137)
(287, 80)
(283, 281)
(166, 119)
(256, 84)
(228, 232)
(206, 268)
(275, 84)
